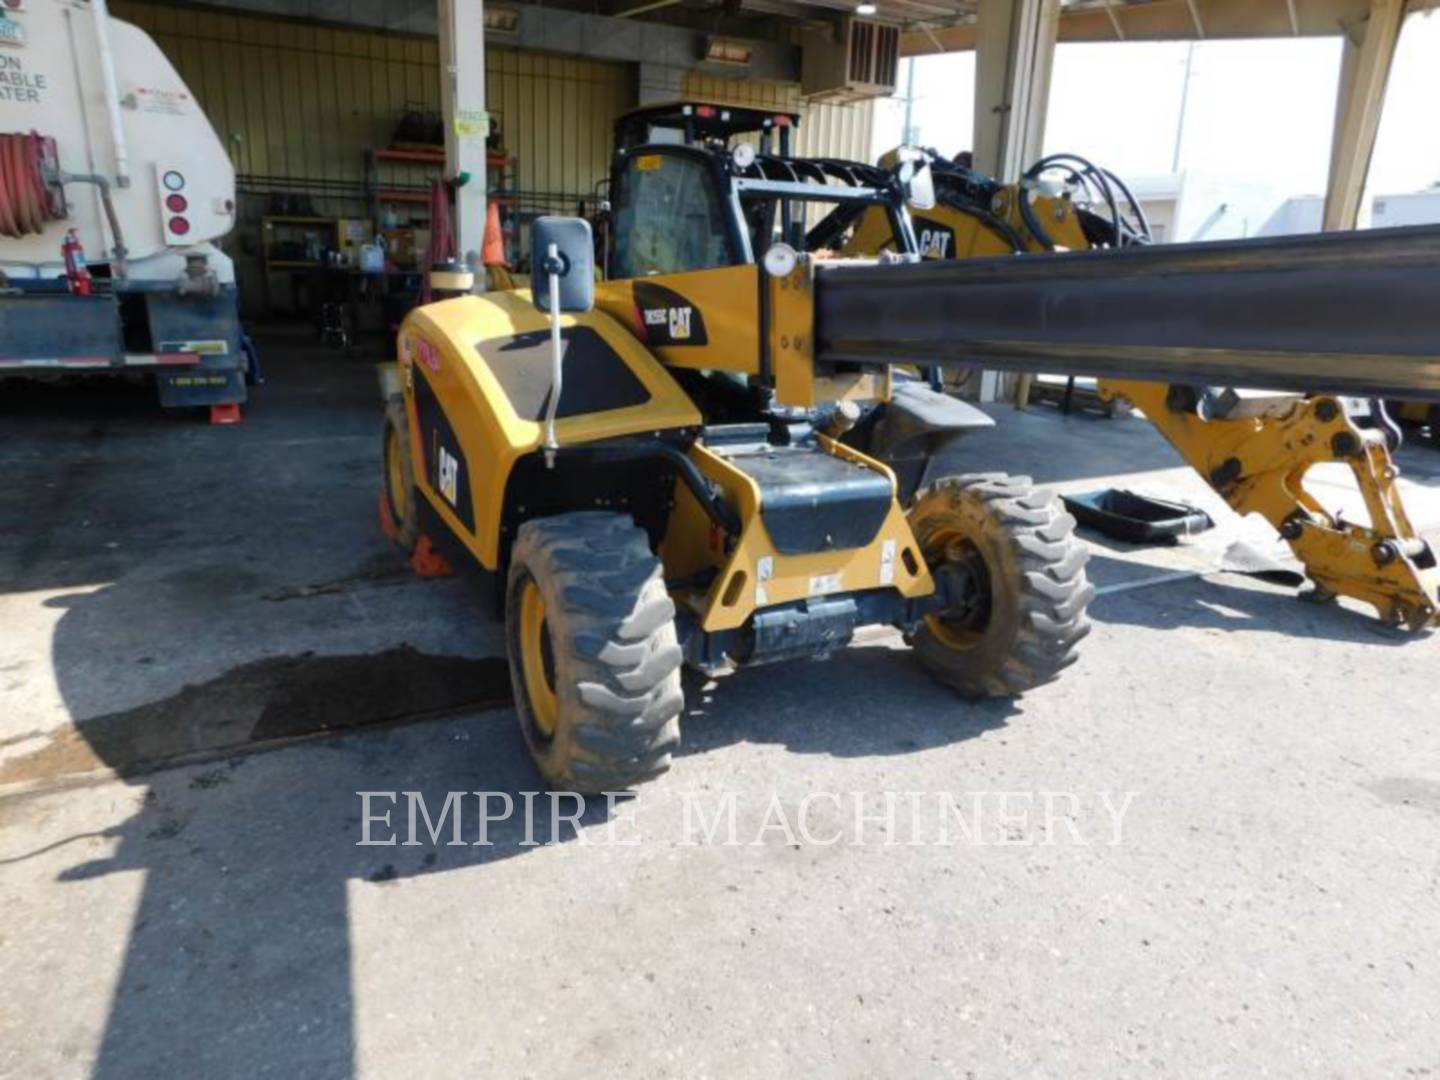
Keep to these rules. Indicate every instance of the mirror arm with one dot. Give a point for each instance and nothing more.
(564, 276)
(552, 267)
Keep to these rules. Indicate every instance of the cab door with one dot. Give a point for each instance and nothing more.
(672, 212)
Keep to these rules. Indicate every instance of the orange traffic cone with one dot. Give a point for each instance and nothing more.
(493, 250)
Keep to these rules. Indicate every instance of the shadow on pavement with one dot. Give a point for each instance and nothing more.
(867, 700)
(240, 956)
(239, 960)
(1234, 606)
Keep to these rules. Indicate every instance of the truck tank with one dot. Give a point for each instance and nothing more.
(104, 150)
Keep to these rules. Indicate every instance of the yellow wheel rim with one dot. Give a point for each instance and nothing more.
(951, 637)
(395, 475)
(952, 545)
(537, 660)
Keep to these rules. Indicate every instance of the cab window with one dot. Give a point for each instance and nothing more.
(668, 218)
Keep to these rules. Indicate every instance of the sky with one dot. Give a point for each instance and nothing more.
(1260, 109)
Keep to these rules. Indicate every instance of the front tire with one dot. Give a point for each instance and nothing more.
(1022, 594)
(594, 660)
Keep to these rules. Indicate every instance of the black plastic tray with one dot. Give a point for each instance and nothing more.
(1137, 519)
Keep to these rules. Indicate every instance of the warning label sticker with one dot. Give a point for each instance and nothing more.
(162, 102)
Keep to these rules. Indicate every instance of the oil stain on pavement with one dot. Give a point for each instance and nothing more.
(267, 702)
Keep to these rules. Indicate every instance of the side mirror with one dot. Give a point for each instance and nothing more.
(913, 172)
(920, 189)
(562, 248)
(562, 279)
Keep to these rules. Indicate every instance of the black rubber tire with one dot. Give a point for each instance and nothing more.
(1434, 422)
(616, 659)
(1036, 572)
(407, 524)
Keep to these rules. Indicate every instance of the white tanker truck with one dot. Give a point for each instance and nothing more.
(113, 191)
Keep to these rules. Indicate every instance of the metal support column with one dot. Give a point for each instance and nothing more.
(1014, 55)
(1364, 75)
(467, 124)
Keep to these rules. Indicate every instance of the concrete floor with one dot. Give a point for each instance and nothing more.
(1268, 902)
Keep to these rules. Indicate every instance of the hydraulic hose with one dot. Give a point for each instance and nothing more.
(1100, 185)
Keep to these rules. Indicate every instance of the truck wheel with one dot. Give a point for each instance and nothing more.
(594, 660)
(400, 475)
(1018, 575)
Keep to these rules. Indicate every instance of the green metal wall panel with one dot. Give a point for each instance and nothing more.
(295, 100)
(300, 102)
(297, 104)
(839, 131)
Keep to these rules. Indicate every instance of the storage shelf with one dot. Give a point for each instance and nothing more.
(502, 181)
(420, 156)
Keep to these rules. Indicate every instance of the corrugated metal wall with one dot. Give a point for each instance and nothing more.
(841, 131)
(297, 105)
(299, 101)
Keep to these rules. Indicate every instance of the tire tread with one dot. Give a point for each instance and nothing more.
(621, 718)
(1051, 589)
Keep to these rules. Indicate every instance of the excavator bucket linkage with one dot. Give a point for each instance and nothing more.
(1256, 451)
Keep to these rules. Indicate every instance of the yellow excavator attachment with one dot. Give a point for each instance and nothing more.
(1257, 458)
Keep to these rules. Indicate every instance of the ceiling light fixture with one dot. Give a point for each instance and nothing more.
(501, 20)
(865, 9)
(722, 50)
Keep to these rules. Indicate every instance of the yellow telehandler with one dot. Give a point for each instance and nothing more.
(713, 455)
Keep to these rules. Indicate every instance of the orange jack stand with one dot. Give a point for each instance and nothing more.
(225, 414)
(425, 561)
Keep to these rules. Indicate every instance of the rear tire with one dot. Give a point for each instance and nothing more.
(1019, 628)
(398, 468)
(594, 660)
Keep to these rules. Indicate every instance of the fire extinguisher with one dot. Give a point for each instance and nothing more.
(77, 274)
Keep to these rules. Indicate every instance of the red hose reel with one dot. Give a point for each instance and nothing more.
(30, 195)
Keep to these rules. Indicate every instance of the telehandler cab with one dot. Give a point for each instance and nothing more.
(709, 456)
